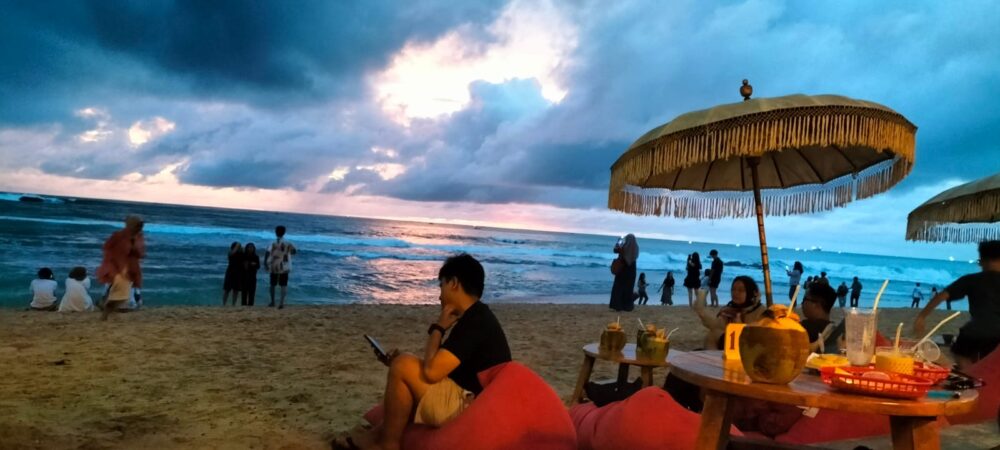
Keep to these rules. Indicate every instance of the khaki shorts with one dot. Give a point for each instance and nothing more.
(121, 288)
(442, 402)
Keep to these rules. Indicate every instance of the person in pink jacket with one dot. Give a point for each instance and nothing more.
(120, 268)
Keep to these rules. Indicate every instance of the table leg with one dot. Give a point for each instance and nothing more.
(622, 373)
(713, 433)
(582, 379)
(647, 376)
(915, 433)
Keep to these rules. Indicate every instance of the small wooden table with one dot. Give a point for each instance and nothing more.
(624, 358)
(912, 421)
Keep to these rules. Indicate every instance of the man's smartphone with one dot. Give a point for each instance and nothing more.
(379, 351)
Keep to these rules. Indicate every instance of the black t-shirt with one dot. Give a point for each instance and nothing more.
(814, 327)
(983, 290)
(715, 277)
(478, 341)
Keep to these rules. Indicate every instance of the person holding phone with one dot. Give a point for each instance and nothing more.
(436, 388)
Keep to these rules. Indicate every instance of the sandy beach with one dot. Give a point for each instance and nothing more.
(198, 377)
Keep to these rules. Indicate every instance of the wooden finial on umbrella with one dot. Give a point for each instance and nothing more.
(746, 90)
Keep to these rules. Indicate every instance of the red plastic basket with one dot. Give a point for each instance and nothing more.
(932, 372)
(898, 386)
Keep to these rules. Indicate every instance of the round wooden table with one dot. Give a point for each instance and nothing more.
(912, 421)
(624, 358)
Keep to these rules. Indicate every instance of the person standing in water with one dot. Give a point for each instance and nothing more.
(794, 277)
(842, 291)
(855, 292)
(120, 267)
(279, 262)
(667, 289)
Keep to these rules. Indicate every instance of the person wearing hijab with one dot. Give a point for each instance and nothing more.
(744, 307)
(622, 298)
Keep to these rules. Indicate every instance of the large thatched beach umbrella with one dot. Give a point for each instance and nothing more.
(965, 213)
(795, 154)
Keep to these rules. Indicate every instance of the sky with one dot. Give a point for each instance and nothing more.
(502, 113)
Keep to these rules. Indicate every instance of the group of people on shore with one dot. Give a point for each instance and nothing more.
(244, 263)
(624, 298)
(120, 271)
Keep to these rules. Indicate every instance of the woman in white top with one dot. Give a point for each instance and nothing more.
(43, 291)
(76, 297)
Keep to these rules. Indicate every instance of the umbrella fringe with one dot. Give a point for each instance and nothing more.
(757, 134)
(948, 221)
(804, 199)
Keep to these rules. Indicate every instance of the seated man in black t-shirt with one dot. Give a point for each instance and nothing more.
(981, 335)
(816, 308)
(436, 389)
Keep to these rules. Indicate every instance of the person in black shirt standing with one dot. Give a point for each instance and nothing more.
(980, 336)
(437, 388)
(715, 276)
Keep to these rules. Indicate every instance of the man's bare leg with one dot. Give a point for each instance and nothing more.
(403, 390)
(272, 296)
(284, 293)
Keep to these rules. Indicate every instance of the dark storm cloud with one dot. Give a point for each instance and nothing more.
(273, 94)
(59, 54)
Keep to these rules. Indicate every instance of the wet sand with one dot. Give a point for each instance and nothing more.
(199, 377)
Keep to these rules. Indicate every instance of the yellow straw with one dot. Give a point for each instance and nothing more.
(795, 296)
(879, 296)
(899, 331)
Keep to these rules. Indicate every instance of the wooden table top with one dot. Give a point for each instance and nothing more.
(709, 370)
(626, 356)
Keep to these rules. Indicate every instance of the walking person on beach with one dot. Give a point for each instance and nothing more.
(980, 336)
(794, 277)
(855, 292)
(623, 267)
(917, 296)
(43, 291)
(279, 263)
(667, 289)
(439, 387)
(120, 267)
(692, 280)
(715, 278)
(643, 296)
(251, 264)
(842, 291)
(234, 273)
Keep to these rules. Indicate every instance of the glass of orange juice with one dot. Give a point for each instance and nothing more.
(889, 359)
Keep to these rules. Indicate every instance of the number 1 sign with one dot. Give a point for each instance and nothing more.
(732, 341)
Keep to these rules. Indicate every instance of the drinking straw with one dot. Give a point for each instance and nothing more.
(928, 336)
(641, 326)
(795, 296)
(672, 332)
(619, 321)
(899, 330)
(879, 296)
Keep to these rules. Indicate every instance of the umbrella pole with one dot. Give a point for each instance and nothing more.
(759, 207)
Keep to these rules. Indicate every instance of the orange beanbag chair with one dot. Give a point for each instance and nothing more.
(988, 369)
(649, 419)
(516, 410)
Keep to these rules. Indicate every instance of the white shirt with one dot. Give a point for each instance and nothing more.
(76, 298)
(917, 293)
(43, 293)
(279, 256)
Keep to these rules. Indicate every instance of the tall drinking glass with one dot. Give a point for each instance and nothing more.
(860, 336)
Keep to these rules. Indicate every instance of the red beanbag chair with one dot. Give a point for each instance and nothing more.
(830, 425)
(649, 419)
(516, 410)
(988, 369)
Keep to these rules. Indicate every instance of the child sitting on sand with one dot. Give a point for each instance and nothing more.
(76, 297)
(43, 291)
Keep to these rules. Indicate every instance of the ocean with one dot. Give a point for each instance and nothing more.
(352, 260)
